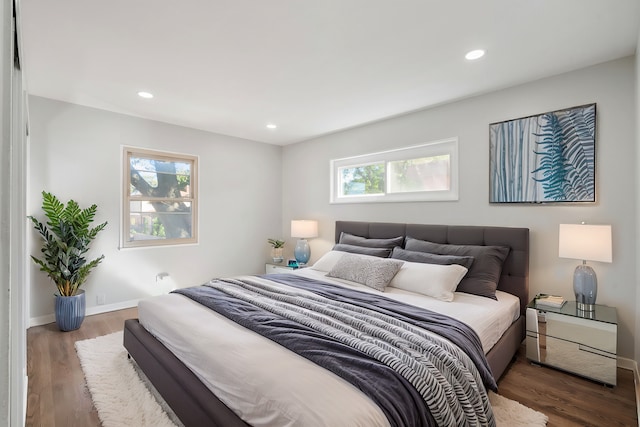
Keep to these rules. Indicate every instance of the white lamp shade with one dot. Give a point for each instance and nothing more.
(304, 229)
(586, 242)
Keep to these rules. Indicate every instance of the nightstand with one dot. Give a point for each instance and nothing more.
(583, 343)
(278, 268)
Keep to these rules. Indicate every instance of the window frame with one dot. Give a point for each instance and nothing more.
(126, 199)
(448, 146)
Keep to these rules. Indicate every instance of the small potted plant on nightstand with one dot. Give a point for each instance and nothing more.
(276, 250)
(66, 237)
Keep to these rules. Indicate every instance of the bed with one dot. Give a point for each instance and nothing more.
(195, 404)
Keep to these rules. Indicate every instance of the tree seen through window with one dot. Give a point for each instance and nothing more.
(160, 198)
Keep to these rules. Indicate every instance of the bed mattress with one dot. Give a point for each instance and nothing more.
(266, 384)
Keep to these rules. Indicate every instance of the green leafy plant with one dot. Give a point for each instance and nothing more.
(276, 243)
(566, 150)
(67, 236)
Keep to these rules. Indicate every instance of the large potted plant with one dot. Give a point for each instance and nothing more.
(67, 236)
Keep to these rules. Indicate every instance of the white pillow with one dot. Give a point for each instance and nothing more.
(327, 261)
(434, 280)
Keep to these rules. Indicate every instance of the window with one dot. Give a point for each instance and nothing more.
(160, 198)
(427, 172)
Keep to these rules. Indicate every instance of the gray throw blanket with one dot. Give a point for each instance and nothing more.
(424, 379)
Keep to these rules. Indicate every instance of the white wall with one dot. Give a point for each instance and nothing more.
(610, 85)
(76, 153)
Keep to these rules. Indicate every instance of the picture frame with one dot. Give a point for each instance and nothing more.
(544, 158)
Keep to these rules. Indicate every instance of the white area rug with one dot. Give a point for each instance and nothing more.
(118, 393)
(123, 398)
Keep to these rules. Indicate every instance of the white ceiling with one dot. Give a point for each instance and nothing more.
(311, 67)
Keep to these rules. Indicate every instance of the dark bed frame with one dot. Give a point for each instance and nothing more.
(196, 405)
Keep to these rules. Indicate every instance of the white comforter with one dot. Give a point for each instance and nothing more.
(268, 385)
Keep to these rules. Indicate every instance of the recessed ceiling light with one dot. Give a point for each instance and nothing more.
(271, 126)
(475, 54)
(145, 95)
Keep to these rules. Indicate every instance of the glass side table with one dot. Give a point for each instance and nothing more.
(583, 343)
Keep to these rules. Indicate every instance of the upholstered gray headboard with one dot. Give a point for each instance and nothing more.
(515, 272)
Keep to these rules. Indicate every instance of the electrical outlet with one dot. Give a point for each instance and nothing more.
(100, 299)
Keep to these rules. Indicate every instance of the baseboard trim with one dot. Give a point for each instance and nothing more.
(96, 309)
(632, 365)
(42, 320)
(25, 397)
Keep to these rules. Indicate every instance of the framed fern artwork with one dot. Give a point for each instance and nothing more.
(545, 158)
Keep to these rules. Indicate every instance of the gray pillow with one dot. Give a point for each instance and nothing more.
(379, 252)
(484, 274)
(427, 258)
(350, 239)
(373, 272)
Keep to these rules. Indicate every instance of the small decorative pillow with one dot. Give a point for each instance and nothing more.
(363, 250)
(434, 280)
(350, 239)
(428, 258)
(370, 271)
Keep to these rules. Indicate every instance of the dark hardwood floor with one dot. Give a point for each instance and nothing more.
(569, 400)
(58, 395)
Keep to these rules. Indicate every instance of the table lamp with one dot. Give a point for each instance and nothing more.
(588, 243)
(303, 229)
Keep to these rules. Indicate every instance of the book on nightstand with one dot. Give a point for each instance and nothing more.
(552, 301)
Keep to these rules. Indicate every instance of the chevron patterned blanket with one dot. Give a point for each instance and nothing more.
(421, 368)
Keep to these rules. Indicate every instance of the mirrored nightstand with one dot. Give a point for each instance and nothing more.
(278, 268)
(583, 343)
